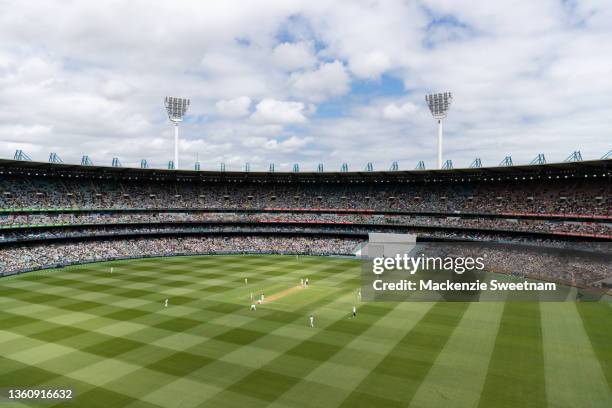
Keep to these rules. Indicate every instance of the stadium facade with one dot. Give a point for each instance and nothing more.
(55, 214)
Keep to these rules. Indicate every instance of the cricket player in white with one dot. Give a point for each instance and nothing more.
(111, 269)
(311, 318)
(261, 299)
(354, 311)
(253, 307)
(166, 303)
(246, 282)
(306, 282)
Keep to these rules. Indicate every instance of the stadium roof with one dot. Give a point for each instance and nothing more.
(595, 167)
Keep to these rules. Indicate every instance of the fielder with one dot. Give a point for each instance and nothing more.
(111, 269)
(306, 282)
(354, 311)
(246, 282)
(253, 307)
(166, 303)
(311, 318)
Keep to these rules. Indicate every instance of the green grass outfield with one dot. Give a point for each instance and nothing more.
(110, 339)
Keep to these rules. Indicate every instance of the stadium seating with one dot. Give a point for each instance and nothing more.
(51, 210)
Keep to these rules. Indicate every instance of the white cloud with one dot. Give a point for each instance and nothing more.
(370, 65)
(292, 56)
(89, 78)
(280, 112)
(399, 112)
(116, 89)
(329, 80)
(234, 108)
(288, 145)
(24, 133)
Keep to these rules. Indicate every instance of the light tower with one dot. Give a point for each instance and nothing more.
(439, 104)
(176, 108)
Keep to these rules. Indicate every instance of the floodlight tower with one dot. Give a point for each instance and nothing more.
(176, 108)
(439, 104)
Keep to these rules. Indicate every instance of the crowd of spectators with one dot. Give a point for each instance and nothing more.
(601, 229)
(558, 265)
(442, 211)
(583, 271)
(521, 240)
(50, 233)
(55, 254)
(20, 236)
(589, 196)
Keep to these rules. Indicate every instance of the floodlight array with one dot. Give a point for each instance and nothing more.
(176, 107)
(439, 104)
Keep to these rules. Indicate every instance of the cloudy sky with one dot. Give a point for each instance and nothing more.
(289, 81)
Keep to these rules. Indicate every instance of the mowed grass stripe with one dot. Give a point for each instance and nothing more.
(468, 351)
(271, 380)
(280, 276)
(321, 275)
(115, 313)
(209, 356)
(208, 343)
(599, 330)
(271, 278)
(64, 331)
(574, 377)
(294, 323)
(395, 380)
(516, 371)
(297, 314)
(113, 351)
(250, 335)
(332, 381)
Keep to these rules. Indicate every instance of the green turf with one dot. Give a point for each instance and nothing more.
(109, 337)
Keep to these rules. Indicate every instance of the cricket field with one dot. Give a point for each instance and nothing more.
(110, 339)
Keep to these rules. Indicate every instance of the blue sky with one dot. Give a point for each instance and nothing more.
(289, 81)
